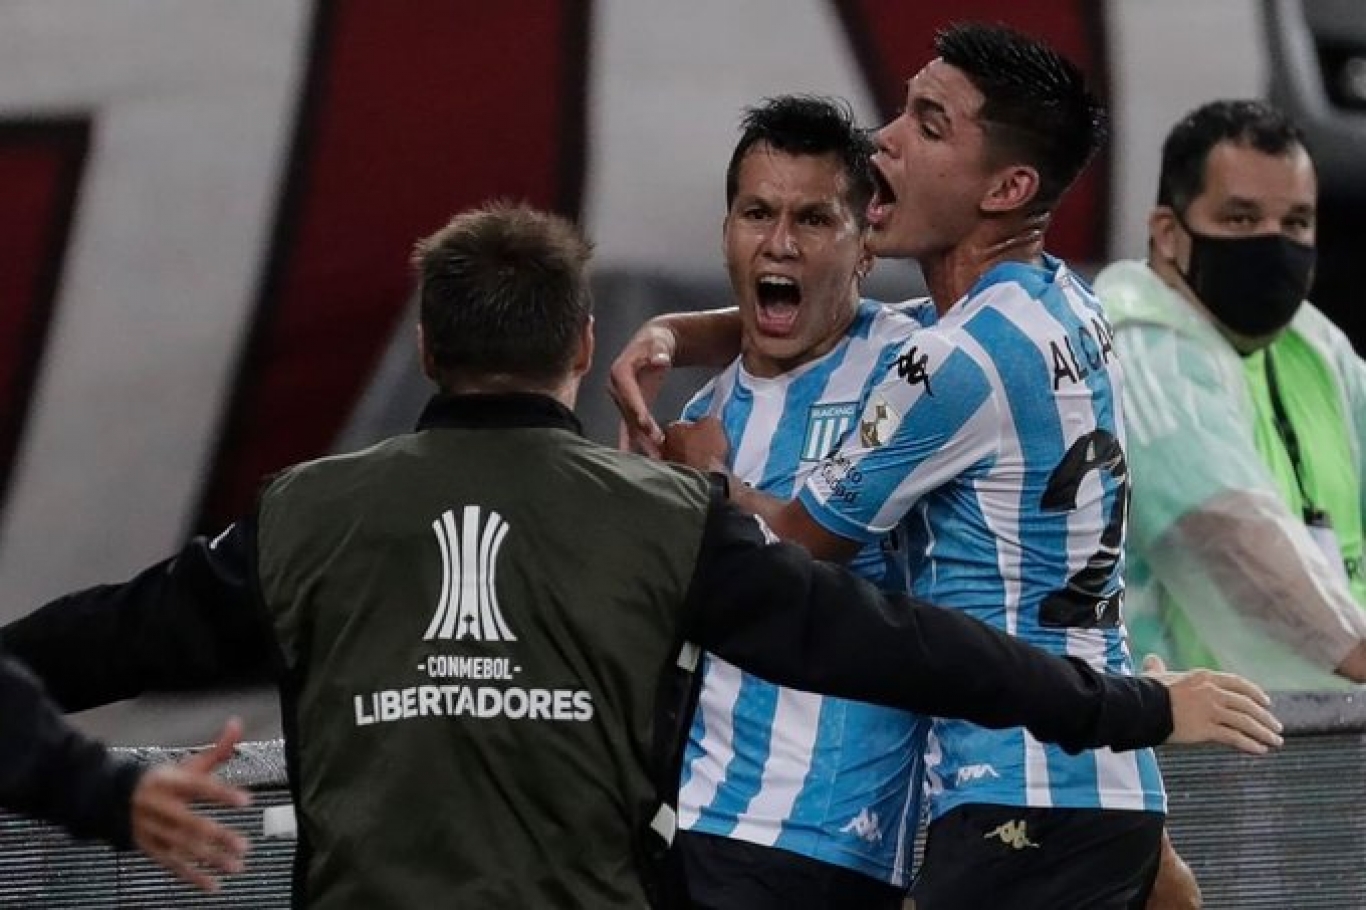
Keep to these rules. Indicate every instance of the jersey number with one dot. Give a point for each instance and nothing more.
(1092, 597)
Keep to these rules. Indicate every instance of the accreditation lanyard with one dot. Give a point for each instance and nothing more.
(1318, 522)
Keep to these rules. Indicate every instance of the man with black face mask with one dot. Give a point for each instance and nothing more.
(1246, 415)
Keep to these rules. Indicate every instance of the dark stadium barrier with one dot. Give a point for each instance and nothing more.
(1283, 831)
(43, 869)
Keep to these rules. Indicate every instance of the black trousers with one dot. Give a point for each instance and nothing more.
(1039, 859)
(725, 874)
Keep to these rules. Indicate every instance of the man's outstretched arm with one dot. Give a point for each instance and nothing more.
(51, 770)
(769, 608)
(188, 622)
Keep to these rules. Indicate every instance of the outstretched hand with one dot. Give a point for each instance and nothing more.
(1214, 707)
(165, 828)
(634, 382)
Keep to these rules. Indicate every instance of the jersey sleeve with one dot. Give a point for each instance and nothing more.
(932, 418)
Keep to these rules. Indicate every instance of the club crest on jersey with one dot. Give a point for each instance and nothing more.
(826, 425)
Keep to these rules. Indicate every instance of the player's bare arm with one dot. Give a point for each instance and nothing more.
(710, 338)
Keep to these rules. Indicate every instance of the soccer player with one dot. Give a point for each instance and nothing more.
(789, 799)
(996, 443)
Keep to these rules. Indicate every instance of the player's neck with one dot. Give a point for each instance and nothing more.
(950, 274)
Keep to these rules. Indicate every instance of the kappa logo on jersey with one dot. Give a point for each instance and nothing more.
(878, 425)
(826, 425)
(468, 607)
(913, 367)
(1013, 834)
(866, 826)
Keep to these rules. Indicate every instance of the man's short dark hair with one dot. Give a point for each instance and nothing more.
(504, 292)
(808, 125)
(1254, 124)
(1036, 108)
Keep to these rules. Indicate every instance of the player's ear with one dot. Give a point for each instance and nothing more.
(1012, 188)
(583, 360)
(425, 356)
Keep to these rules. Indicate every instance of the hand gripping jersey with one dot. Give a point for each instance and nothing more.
(834, 780)
(1000, 451)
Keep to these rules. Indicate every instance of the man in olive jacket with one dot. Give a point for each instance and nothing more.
(472, 625)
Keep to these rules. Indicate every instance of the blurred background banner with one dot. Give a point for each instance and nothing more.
(206, 209)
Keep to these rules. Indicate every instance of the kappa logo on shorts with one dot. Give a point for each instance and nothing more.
(1013, 834)
(468, 607)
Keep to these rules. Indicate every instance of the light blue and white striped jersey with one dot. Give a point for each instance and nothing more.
(999, 449)
(834, 780)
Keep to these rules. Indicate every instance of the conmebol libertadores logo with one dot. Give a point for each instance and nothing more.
(468, 607)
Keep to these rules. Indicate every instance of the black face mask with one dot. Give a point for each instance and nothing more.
(1253, 285)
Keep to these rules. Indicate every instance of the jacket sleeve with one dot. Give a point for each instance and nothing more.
(50, 770)
(1209, 519)
(191, 621)
(771, 609)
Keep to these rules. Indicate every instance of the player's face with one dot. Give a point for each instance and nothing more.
(931, 165)
(794, 249)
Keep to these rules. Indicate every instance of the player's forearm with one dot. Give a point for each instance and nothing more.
(708, 338)
(1270, 575)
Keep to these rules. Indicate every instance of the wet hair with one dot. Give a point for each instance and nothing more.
(504, 292)
(1186, 151)
(1036, 108)
(808, 125)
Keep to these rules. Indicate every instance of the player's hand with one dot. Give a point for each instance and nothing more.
(1213, 707)
(187, 844)
(701, 444)
(634, 381)
(1175, 887)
